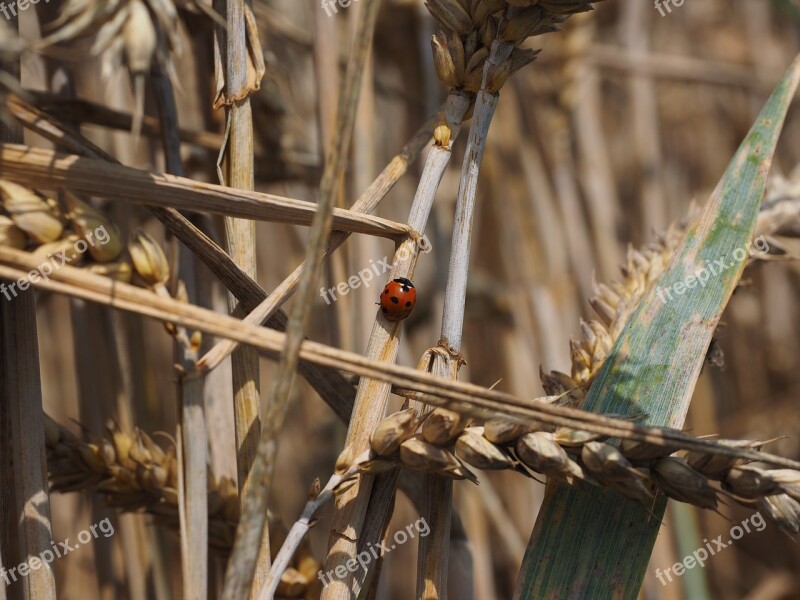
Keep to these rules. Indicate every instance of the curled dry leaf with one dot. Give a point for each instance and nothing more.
(255, 70)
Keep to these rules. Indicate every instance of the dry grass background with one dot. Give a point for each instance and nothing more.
(625, 117)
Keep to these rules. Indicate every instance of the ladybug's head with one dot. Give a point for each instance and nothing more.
(404, 281)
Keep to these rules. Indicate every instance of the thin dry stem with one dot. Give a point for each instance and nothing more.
(239, 572)
(466, 398)
(38, 168)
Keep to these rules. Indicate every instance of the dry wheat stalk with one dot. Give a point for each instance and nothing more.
(239, 68)
(239, 574)
(464, 397)
(372, 394)
(460, 63)
(45, 169)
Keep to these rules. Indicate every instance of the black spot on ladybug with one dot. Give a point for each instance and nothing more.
(383, 310)
(395, 299)
(408, 303)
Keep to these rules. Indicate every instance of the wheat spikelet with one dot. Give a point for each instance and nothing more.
(133, 473)
(467, 28)
(55, 232)
(637, 471)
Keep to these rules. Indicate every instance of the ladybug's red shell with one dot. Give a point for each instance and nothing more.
(398, 299)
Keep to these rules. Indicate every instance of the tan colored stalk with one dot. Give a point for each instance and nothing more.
(22, 452)
(38, 168)
(437, 493)
(466, 398)
(240, 235)
(239, 574)
(581, 98)
(372, 395)
(193, 434)
(327, 84)
(644, 108)
(22, 399)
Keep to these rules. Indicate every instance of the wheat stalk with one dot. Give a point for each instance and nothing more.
(464, 397)
(45, 169)
(239, 574)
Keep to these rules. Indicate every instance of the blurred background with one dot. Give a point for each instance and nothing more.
(625, 118)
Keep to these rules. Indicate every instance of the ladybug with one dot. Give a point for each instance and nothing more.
(398, 299)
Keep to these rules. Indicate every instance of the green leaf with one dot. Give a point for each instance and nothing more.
(589, 543)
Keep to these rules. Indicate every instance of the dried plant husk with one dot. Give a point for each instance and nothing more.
(451, 14)
(749, 481)
(575, 438)
(418, 455)
(521, 23)
(474, 449)
(788, 480)
(442, 426)
(30, 213)
(393, 431)
(607, 464)
(500, 431)
(65, 247)
(716, 466)
(473, 73)
(678, 480)
(443, 60)
(540, 452)
(783, 510)
(643, 452)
